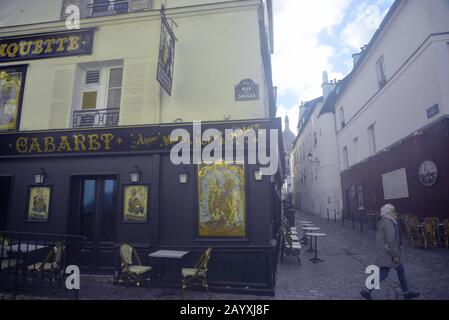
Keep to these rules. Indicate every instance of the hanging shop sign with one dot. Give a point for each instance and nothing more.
(41, 46)
(428, 173)
(166, 54)
(246, 90)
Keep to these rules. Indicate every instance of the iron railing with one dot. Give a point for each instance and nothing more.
(109, 7)
(37, 261)
(96, 118)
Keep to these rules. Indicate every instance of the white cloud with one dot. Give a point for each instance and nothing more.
(299, 58)
(360, 30)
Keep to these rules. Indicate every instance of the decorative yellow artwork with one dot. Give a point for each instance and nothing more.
(10, 93)
(135, 203)
(39, 203)
(221, 194)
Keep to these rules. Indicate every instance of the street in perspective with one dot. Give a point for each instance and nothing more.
(248, 151)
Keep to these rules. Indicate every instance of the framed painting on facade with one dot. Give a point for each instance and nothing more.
(135, 203)
(12, 80)
(222, 203)
(38, 203)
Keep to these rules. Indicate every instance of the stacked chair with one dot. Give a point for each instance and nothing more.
(290, 245)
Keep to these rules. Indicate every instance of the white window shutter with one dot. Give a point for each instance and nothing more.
(61, 97)
(133, 94)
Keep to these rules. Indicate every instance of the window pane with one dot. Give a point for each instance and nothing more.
(101, 5)
(114, 96)
(109, 210)
(115, 78)
(88, 207)
(89, 100)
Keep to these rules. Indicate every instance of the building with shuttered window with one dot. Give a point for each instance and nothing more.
(84, 110)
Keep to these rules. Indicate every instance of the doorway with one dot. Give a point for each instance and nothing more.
(95, 217)
(5, 193)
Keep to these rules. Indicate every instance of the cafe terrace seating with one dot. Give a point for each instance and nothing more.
(197, 276)
(132, 272)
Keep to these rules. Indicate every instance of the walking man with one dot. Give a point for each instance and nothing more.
(388, 249)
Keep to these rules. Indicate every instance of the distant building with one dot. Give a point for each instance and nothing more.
(288, 137)
(316, 171)
(392, 115)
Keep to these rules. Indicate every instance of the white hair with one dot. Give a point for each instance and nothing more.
(387, 209)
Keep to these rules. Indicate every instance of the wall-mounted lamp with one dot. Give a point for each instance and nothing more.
(39, 177)
(135, 174)
(310, 158)
(183, 177)
(179, 120)
(258, 175)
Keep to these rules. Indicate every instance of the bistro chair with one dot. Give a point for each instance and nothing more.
(290, 247)
(430, 232)
(446, 233)
(197, 276)
(129, 271)
(51, 265)
(415, 234)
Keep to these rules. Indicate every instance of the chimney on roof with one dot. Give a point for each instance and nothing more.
(356, 56)
(327, 86)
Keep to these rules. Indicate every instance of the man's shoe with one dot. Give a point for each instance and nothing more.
(411, 295)
(366, 294)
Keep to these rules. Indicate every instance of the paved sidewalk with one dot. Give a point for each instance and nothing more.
(346, 253)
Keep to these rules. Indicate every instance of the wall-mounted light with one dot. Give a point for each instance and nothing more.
(258, 175)
(135, 174)
(183, 177)
(310, 158)
(39, 177)
(179, 120)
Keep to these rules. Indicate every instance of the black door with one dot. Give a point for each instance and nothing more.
(97, 220)
(5, 192)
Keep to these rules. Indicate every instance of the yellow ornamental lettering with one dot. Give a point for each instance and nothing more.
(49, 144)
(94, 145)
(49, 45)
(74, 43)
(79, 141)
(3, 50)
(34, 146)
(107, 138)
(25, 47)
(38, 47)
(60, 42)
(22, 145)
(12, 50)
(64, 144)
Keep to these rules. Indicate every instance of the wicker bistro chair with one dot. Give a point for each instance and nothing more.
(430, 232)
(197, 276)
(130, 272)
(51, 266)
(290, 247)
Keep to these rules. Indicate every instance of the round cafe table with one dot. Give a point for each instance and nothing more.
(303, 225)
(306, 235)
(315, 259)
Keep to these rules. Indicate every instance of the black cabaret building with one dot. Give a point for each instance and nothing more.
(85, 138)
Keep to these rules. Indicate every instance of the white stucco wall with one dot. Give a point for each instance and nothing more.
(417, 69)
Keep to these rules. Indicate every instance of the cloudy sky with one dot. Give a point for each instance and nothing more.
(315, 36)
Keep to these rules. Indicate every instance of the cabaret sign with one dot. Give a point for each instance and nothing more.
(42, 46)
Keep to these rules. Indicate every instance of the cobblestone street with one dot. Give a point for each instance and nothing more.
(346, 253)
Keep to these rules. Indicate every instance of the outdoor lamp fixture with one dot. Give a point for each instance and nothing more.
(135, 175)
(258, 175)
(183, 176)
(310, 157)
(39, 177)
